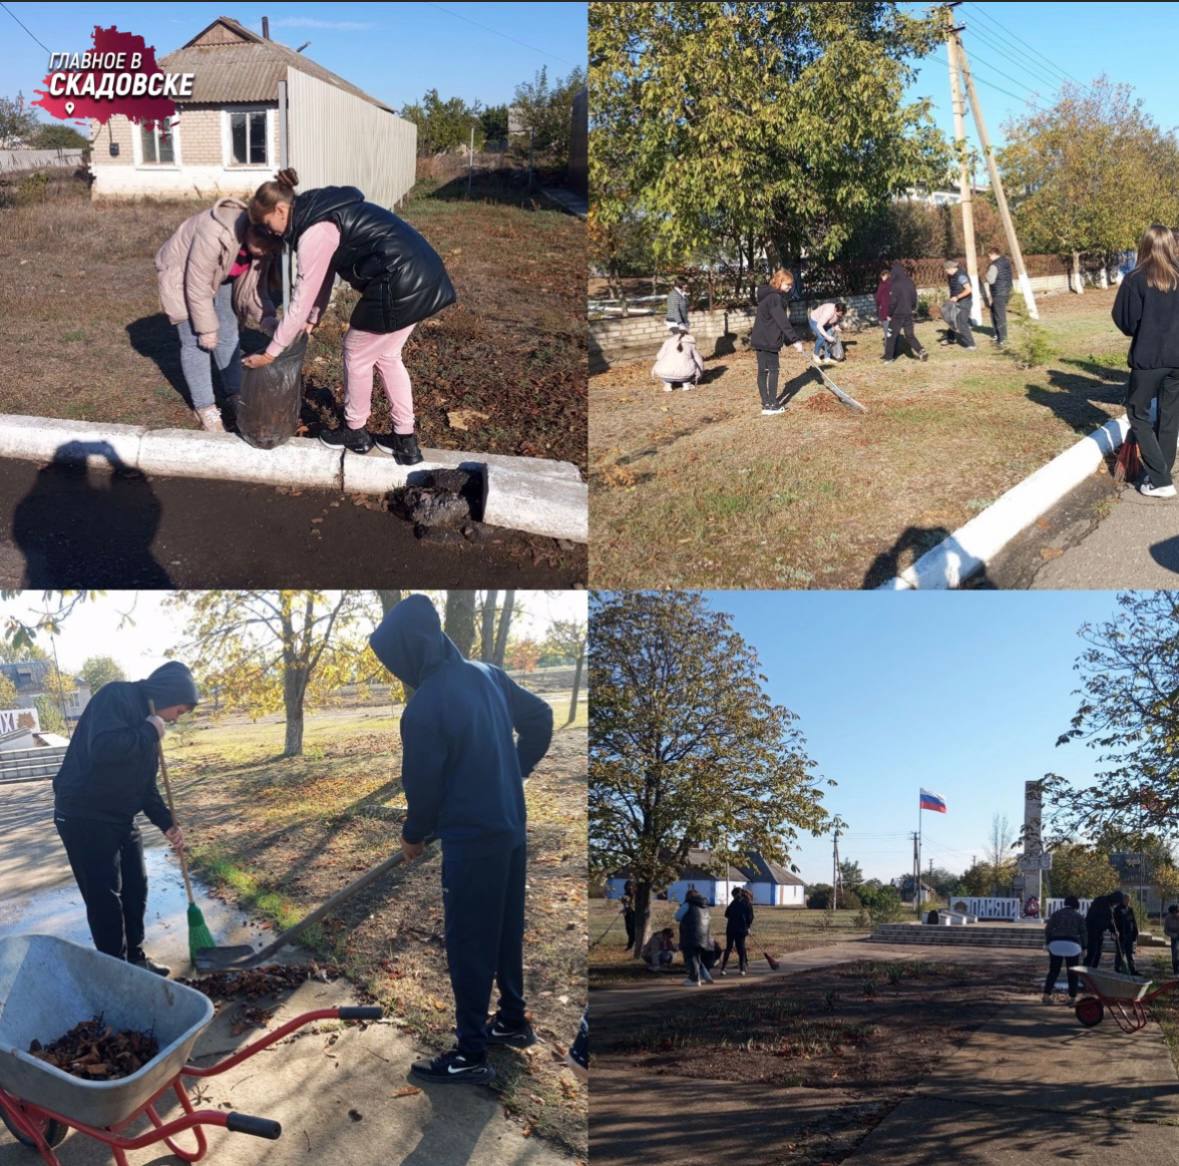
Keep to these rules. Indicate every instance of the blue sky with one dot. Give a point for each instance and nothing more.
(964, 693)
(1017, 48)
(395, 52)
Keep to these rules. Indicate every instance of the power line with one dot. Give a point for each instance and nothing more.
(504, 35)
(1004, 31)
(1038, 72)
(25, 27)
(992, 85)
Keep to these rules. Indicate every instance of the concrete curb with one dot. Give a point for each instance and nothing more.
(535, 495)
(970, 547)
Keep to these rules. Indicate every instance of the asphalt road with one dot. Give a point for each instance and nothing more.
(73, 527)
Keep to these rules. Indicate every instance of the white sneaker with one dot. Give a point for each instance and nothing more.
(723, 972)
(210, 419)
(772, 412)
(1152, 491)
(741, 972)
(689, 983)
(667, 388)
(707, 978)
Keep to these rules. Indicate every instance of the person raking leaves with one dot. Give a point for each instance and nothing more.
(108, 776)
(470, 736)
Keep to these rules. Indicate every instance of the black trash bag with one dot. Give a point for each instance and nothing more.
(270, 398)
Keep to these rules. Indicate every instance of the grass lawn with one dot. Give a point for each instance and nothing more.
(821, 497)
(280, 836)
(501, 371)
(775, 929)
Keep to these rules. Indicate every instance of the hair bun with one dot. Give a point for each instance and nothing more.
(288, 177)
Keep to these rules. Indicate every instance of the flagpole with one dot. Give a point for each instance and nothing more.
(920, 846)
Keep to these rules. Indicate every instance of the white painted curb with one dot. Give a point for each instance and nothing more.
(554, 506)
(972, 546)
(535, 495)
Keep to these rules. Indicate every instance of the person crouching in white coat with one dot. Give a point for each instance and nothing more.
(678, 363)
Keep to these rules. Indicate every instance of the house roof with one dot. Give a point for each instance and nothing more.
(230, 63)
(755, 870)
(761, 870)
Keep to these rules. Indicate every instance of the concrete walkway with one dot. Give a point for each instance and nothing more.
(1030, 1086)
(334, 1091)
(570, 200)
(1135, 545)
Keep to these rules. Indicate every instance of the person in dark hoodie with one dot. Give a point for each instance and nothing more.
(1126, 927)
(108, 776)
(1064, 937)
(470, 737)
(902, 304)
(738, 922)
(771, 329)
(695, 940)
(401, 279)
(1099, 921)
(1147, 309)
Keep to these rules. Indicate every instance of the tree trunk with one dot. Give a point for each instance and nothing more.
(642, 917)
(294, 687)
(1077, 282)
(460, 620)
(505, 623)
(487, 650)
(576, 686)
(389, 600)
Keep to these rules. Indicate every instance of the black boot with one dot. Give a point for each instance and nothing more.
(403, 447)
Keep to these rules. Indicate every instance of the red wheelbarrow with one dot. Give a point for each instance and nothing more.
(1125, 997)
(47, 986)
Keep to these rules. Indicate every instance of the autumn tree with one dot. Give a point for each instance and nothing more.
(1129, 716)
(1089, 174)
(545, 110)
(9, 697)
(271, 650)
(568, 637)
(100, 670)
(1082, 871)
(686, 748)
(443, 125)
(773, 126)
(459, 622)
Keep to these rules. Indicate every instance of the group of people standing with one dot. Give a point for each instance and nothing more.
(1068, 934)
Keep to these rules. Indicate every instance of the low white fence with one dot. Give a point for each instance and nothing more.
(14, 161)
(991, 907)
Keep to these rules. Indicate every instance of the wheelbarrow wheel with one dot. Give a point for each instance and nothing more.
(54, 1132)
(1089, 1011)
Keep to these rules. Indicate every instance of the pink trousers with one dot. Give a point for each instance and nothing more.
(364, 351)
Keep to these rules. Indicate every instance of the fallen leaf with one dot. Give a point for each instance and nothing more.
(408, 1091)
(463, 418)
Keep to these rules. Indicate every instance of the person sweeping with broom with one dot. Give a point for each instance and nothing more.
(108, 776)
(470, 736)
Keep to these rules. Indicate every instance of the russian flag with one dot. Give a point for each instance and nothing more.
(932, 802)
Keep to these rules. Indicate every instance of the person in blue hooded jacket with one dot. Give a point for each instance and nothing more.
(108, 776)
(470, 736)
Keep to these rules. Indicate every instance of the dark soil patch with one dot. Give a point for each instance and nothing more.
(864, 1025)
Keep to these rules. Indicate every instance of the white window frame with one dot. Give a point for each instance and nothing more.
(142, 163)
(227, 113)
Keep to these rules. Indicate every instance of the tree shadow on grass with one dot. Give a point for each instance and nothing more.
(1074, 396)
(914, 542)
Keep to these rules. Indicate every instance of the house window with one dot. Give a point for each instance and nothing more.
(157, 140)
(249, 141)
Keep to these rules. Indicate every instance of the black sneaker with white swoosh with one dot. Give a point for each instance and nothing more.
(519, 1036)
(454, 1068)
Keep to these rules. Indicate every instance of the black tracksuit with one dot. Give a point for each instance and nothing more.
(463, 773)
(1151, 317)
(1098, 921)
(771, 329)
(108, 776)
(738, 921)
(1000, 294)
(902, 303)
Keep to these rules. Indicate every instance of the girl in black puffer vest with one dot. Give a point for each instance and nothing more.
(401, 280)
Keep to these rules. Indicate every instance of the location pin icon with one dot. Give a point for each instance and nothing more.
(69, 107)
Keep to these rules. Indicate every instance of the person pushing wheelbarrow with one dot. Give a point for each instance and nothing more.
(470, 737)
(108, 776)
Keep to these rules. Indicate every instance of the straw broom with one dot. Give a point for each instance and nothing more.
(199, 936)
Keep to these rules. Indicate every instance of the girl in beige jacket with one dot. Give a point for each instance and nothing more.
(213, 272)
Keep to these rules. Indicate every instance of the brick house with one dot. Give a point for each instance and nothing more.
(225, 138)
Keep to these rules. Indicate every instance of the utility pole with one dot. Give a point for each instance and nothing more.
(917, 873)
(835, 866)
(471, 161)
(963, 166)
(1025, 285)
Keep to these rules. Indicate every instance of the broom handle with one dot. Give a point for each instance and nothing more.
(168, 791)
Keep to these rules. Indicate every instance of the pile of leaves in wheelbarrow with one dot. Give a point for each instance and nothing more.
(93, 1050)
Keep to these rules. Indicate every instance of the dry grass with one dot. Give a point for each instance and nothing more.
(84, 338)
(821, 497)
(280, 836)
